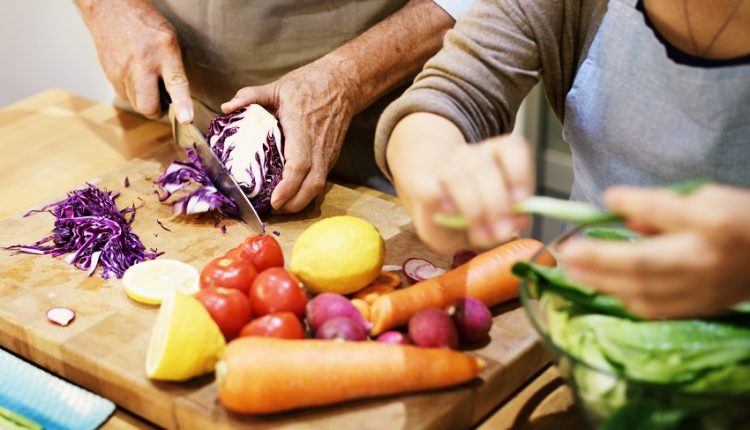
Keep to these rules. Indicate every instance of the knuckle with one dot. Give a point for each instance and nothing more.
(166, 38)
(175, 79)
(149, 111)
(317, 185)
(641, 290)
(643, 308)
(299, 166)
(141, 54)
(639, 265)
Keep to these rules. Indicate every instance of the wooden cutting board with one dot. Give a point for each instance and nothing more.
(104, 349)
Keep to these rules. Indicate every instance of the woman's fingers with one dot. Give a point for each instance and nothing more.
(482, 182)
(657, 255)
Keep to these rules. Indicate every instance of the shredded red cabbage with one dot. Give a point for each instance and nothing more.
(91, 230)
(180, 174)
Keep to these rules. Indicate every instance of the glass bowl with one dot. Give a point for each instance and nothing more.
(607, 391)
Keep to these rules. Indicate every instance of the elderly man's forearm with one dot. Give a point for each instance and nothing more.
(391, 52)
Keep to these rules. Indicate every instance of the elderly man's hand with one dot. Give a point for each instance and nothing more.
(315, 105)
(136, 46)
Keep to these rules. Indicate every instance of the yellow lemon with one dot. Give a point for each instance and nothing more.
(341, 254)
(185, 341)
(151, 280)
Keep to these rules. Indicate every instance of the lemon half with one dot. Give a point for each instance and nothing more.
(151, 280)
(185, 342)
(340, 254)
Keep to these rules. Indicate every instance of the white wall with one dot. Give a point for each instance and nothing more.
(45, 44)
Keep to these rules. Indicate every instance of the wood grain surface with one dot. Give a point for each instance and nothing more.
(104, 349)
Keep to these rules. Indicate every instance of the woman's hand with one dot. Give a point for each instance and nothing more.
(435, 171)
(315, 106)
(698, 264)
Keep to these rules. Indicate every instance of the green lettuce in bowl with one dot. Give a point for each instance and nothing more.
(630, 373)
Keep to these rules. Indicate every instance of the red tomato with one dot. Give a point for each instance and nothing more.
(229, 308)
(233, 253)
(276, 290)
(228, 272)
(262, 251)
(284, 325)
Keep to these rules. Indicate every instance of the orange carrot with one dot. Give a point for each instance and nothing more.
(371, 293)
(486, 277)
(390, 279)
(385, 283)
(363, 307)
(265, 375)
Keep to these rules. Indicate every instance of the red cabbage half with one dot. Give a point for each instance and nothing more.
(91, 230)
(250, 143)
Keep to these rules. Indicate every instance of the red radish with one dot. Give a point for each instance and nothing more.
(472, 318)
(419, 269)
(341, 328)
(462, 257)
(394, 337)
(330, 305)
(61, 316)
(433, 327)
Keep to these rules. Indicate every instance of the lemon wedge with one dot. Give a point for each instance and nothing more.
(151, 280)
(340, 254)
(185, 342)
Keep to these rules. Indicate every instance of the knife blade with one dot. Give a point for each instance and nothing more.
(188, 136)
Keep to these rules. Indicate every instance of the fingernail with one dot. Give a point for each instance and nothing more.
(504, 228)
(184, 115)
(518, 193)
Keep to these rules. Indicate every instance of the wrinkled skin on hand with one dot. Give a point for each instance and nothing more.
(697, 264)
(136, 46)
(315, 105)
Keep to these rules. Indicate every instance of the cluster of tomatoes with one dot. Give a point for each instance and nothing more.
(248, 292)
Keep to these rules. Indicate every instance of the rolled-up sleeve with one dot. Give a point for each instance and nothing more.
(454, 8)
(488, 63)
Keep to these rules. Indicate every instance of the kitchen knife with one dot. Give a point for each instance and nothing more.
(188, 136)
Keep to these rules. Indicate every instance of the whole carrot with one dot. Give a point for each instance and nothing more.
(266, 375)
(486, 277)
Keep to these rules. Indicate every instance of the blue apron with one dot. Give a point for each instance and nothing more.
(635, 117)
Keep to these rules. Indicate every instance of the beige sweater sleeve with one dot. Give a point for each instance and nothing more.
(491, 59)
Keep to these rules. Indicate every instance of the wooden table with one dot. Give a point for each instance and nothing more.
(53, 141)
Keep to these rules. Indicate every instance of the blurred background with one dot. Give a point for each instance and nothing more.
(45, 44)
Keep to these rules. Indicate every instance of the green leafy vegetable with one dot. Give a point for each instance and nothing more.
(554, 279)
(631, 373)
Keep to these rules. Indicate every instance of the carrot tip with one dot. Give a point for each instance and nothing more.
(481, 364)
